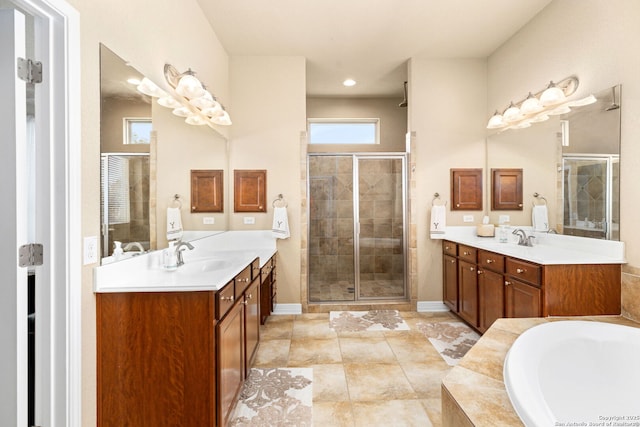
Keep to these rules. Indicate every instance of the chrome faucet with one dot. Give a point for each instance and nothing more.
(523, 239)
(179, 250)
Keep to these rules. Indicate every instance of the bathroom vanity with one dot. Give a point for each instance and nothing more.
(484, 280)
(174, 347)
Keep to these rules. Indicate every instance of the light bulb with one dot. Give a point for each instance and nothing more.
(531, 105)
(552, 95)
(512, 114)
(189, 86)
(495, 121)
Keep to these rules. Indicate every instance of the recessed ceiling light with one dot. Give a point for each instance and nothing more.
(349, 82)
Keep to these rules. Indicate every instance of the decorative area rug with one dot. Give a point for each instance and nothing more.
(451, 339)
(374, 320)
(275, 397)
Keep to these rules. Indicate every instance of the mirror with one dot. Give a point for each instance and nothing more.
(146, 157)
(572, 162)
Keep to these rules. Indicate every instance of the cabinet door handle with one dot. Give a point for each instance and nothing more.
(446, 247)
(471, 268)
(480, 271)
(507, 283)
(520, 270)
(250, 296)
(489, 261)
(230, 299)
(466, 253)
(452, 261)
(246, 279)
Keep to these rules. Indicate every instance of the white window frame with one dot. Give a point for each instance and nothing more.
(375, 121)
(126, 130)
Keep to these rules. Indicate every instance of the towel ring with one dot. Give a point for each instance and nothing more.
(281, 200)
(176, 203)
(436, 198)
(539, 198)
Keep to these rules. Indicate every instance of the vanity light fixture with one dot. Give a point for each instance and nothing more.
(189, 98)
(539, 106)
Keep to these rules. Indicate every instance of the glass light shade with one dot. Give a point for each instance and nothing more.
(562, 109)
(213, 111)
(205, 101)
(531, 105)
(521, 125)
(582, 102)
(189, 86)
(552, 95)
(148, 87)
(195, 120)
(182, 112)
(223, 119)
(169, 102)
(512, 114)
(539, 118)
(495, 121)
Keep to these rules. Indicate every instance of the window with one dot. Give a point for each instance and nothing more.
(137, 130)
(344, 131)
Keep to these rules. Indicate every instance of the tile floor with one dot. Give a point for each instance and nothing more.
(389, 378)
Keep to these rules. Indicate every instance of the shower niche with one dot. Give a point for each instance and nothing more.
(357, 237)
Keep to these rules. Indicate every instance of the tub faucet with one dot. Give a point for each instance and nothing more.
(523, 240)
(179, 250)
(136, 245)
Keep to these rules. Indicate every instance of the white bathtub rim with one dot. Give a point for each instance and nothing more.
(523, 384)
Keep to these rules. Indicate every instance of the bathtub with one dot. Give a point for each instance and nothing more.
(578, 373)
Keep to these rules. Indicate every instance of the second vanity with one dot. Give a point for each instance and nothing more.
(484, 280)
(174, 347)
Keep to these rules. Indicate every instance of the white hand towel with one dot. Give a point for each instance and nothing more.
(438, 221)
(540, 218)
(174, 224)
(280, 223)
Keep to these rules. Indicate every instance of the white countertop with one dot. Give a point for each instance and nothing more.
(547, 249)
(213, 262)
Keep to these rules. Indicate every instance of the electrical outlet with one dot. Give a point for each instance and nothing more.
(249, 220)
(208, 220)
(90, 250)
(467, 218)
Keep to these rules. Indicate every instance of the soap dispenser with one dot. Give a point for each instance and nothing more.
(170, 260)
(117, 251)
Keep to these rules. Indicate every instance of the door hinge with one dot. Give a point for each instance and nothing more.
(30, 71)
(30, 255)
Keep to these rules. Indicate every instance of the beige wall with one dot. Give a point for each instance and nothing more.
(597, 41)
(137, 31)
(447, 104)
(393, 120)
(269, 115)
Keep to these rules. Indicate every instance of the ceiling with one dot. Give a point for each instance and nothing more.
(369, 41)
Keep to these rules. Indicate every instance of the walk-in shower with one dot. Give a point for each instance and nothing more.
(357, 237)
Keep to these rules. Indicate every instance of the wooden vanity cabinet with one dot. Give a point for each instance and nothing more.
(268, 289)
(491, 300)
(252, 322)
(487, 286)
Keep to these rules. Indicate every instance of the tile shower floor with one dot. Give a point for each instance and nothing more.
(381, 378)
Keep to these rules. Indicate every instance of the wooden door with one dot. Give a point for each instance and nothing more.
(231, 360)
(249, 191)
(466, 189)
(207, 191)
(506, 189)
(491, 298)
(522, 300)
(450, 291)
(468, 288)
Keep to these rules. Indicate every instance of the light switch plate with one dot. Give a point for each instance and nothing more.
(208, 220)
(90, 250)
(467, 218)
(249, 220)
(504, 219)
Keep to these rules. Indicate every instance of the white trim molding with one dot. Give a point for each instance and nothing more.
(287, 309)
(431, 307)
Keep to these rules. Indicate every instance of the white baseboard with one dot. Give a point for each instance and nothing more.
(287, 309)
(431, 306)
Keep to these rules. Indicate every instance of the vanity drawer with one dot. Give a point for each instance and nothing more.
(255, 268)
(225, 298)
(243, 280)
(523, 270)
(467, 253)
(491, 261)
(266, 269)
(449, 248)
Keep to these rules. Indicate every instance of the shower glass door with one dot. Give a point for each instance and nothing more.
(356, 227)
